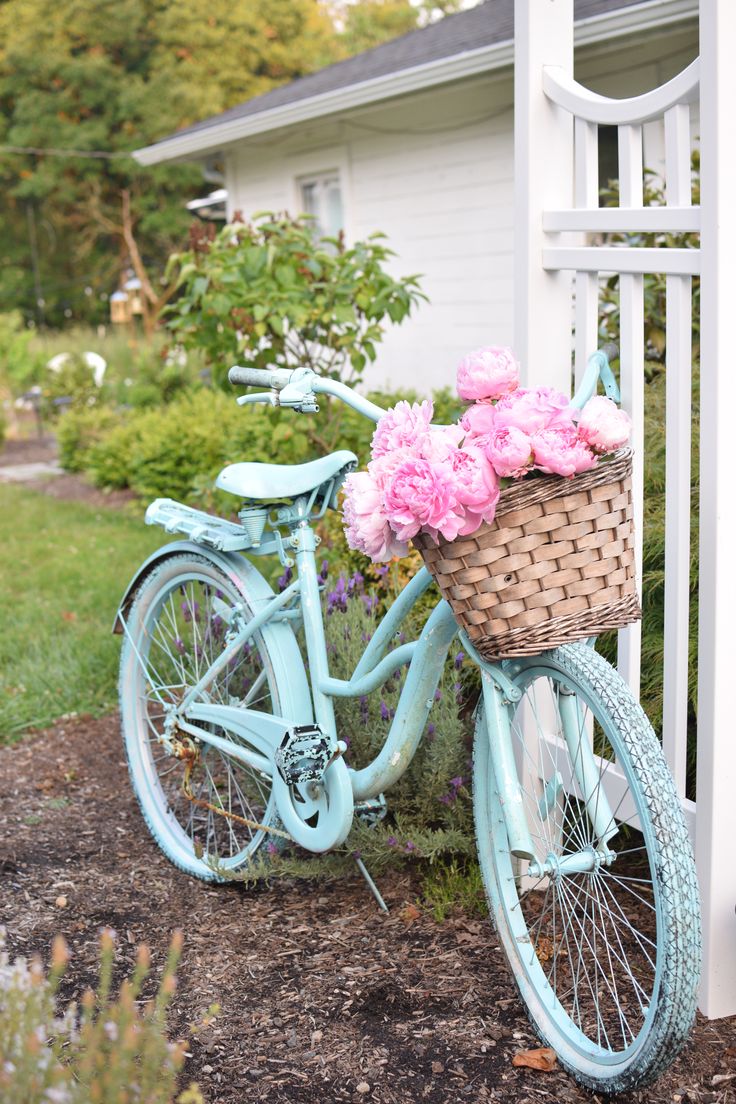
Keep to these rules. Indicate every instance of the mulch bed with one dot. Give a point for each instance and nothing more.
(319, 992)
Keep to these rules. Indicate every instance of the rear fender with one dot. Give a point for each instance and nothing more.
(278, 636)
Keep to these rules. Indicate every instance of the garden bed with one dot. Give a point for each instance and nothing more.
(319, 992)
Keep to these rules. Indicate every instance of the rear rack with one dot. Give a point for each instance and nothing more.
(215, 532)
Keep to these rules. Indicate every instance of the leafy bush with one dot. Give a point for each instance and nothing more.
(111, 1051)
(177, 450)
(269, 293)
(79, 430)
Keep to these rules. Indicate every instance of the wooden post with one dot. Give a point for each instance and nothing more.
(543, 180)
(716, 804)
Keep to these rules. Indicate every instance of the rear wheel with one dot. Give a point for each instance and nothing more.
(601, 930)
(174, 630)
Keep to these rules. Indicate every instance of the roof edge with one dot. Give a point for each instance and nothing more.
(640, 17)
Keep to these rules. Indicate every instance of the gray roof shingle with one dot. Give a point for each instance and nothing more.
(488, 23)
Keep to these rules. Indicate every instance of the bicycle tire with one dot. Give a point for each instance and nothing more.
(201, 842)
(561, 1016)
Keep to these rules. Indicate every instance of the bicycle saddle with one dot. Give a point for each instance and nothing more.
(277, 481)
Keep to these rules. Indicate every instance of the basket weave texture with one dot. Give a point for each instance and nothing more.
(556, 565)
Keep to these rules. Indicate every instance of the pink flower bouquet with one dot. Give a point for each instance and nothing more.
(446, 480)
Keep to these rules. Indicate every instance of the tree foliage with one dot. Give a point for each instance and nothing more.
(116, 75)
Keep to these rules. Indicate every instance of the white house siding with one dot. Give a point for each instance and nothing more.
(434, 172)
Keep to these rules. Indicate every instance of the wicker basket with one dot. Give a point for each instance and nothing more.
(556, 565)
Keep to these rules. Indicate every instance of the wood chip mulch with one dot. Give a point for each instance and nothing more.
(322, 997)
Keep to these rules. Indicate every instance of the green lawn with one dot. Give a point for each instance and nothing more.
(63, 569)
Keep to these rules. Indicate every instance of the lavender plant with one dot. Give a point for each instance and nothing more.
(429, 810)
(108, 1051)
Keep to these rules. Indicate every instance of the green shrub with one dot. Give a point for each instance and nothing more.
(78, 430)
(269, 293)
(112, 1050)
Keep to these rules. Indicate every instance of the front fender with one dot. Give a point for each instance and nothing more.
(278, 636)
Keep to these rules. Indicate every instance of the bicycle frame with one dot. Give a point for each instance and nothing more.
(425, 656)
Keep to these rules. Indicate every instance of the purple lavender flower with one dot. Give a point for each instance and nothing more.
(355, 582)
(456, 783)
(363, 701)
(385, 713)
(337, 599)
(410, 846)
(430, 733)
(447, 799)
(370, 601)
(324, 570)
(459, 660)
(391, 841)
(180, 646)
(272, 848)
(382, 570)
(217, 624)
(438, 695)
(402, 638)
(285, 579)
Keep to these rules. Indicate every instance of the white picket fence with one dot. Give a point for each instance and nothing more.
(557, 288)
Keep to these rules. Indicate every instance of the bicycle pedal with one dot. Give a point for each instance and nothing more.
(304, 754)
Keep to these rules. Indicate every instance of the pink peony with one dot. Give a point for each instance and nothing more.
(530, 411)
(487, 373)
(509, 449)
(479, 420)
(401, 427)
(439, 445)
(476, 487)
(420, 494)
(366, 526)
(559, 451)
(603, 426)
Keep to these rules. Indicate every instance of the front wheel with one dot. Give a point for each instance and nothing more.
(601, 928)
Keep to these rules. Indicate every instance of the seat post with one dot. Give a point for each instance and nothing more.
(304, 541)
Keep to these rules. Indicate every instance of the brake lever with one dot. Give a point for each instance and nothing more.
(271, 397)
(304, 403)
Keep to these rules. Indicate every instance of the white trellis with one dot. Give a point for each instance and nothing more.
(556, 180)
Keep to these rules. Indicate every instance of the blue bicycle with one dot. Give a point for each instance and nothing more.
(232, 744)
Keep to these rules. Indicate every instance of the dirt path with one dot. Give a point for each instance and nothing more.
(319, 992)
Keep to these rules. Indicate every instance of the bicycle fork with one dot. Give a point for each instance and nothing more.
(500, 695)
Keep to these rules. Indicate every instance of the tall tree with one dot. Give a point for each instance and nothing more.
(104, 78)
(96, 80)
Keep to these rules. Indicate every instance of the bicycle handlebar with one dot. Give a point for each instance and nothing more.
(299, 388)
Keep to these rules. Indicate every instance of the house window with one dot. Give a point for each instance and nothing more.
(321, 197)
